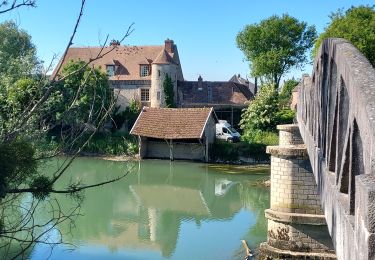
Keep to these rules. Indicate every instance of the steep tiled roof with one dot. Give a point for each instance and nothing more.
(163, 58)
(171, 123)
(213, 93)
(126, 58)
(238, 79)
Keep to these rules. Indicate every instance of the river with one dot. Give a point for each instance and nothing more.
(161, 210)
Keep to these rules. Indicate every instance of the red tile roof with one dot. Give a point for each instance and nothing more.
(126, 58)
(172, 123)
(213, 93)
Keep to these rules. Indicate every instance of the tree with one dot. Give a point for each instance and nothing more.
(5, 6)
(28, 98)
(18, 54)
(356, 25)
(286, 92)
(86, 95)
(261, 113)
(168, 91)
(276, 45)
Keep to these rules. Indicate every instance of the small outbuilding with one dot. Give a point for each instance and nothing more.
(175, 133)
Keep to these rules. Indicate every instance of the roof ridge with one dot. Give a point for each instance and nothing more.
(126, 46)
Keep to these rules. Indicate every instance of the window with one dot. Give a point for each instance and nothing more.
(145, 70)
(159, 73)
(110, 70)
(158, 95)
(145, 94)
(209, 94)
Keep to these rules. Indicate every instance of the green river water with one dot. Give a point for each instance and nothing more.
(162, 210)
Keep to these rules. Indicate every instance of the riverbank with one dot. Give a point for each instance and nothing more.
(241, 169)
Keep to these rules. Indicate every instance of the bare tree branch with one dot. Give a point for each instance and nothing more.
(15, 5)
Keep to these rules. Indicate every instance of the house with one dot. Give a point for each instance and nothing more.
(175, 133)
(239, 80)
(135, 72)
(138, 72)
(228, 98)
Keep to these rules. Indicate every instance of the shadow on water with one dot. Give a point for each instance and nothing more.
(178, 210)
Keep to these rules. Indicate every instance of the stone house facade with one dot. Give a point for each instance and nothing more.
(138, 72)
(135, 72)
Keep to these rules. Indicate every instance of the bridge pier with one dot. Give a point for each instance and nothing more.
(296, 224)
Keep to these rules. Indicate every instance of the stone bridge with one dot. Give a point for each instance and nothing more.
(336, 119)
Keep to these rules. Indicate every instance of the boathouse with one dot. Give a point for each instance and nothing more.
(175, 133)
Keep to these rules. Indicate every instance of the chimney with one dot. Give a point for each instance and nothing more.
(168, 45)
(114, 43)
(200, 83)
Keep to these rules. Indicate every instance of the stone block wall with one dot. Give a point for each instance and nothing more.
(289, 135)
(160, 149)
(293, 186)
(298, 237)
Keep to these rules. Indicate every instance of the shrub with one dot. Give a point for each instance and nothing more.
(224, 151)
(261, 112)
(129, 115)
(112, 144)
(260, 137)
(231, 152)
(286, 92)
(285, 116)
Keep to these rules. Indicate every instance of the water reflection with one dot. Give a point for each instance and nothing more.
(166, 208)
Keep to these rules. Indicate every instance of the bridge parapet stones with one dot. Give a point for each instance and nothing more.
(289, 135)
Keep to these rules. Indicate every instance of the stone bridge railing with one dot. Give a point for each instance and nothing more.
(336, 117)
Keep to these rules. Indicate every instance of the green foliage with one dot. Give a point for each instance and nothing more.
(129, 115)
(17, 54)
(18, 96)
(85, 95)
(17, 164)
(112, 144)
(41, 185)
(230, 152)
(168, 92)
(19, 67)
(261, 112)
(356, 25)
(261, 137)
(224, 151)
(275, 45)
(286, 92)
(285, 116)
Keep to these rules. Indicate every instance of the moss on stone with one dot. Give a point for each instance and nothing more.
(293, 206)
(241, 169)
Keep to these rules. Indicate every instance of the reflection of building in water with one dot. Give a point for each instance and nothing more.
(171, 198)
(222, 186)
(147, 210)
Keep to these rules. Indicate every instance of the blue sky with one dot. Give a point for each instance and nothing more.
(204, 30)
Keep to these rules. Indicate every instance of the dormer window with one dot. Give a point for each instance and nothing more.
(145, 70)
(110, 70)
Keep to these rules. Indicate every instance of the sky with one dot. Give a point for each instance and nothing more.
(204, 30)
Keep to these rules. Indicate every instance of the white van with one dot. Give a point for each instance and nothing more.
(225, 131)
